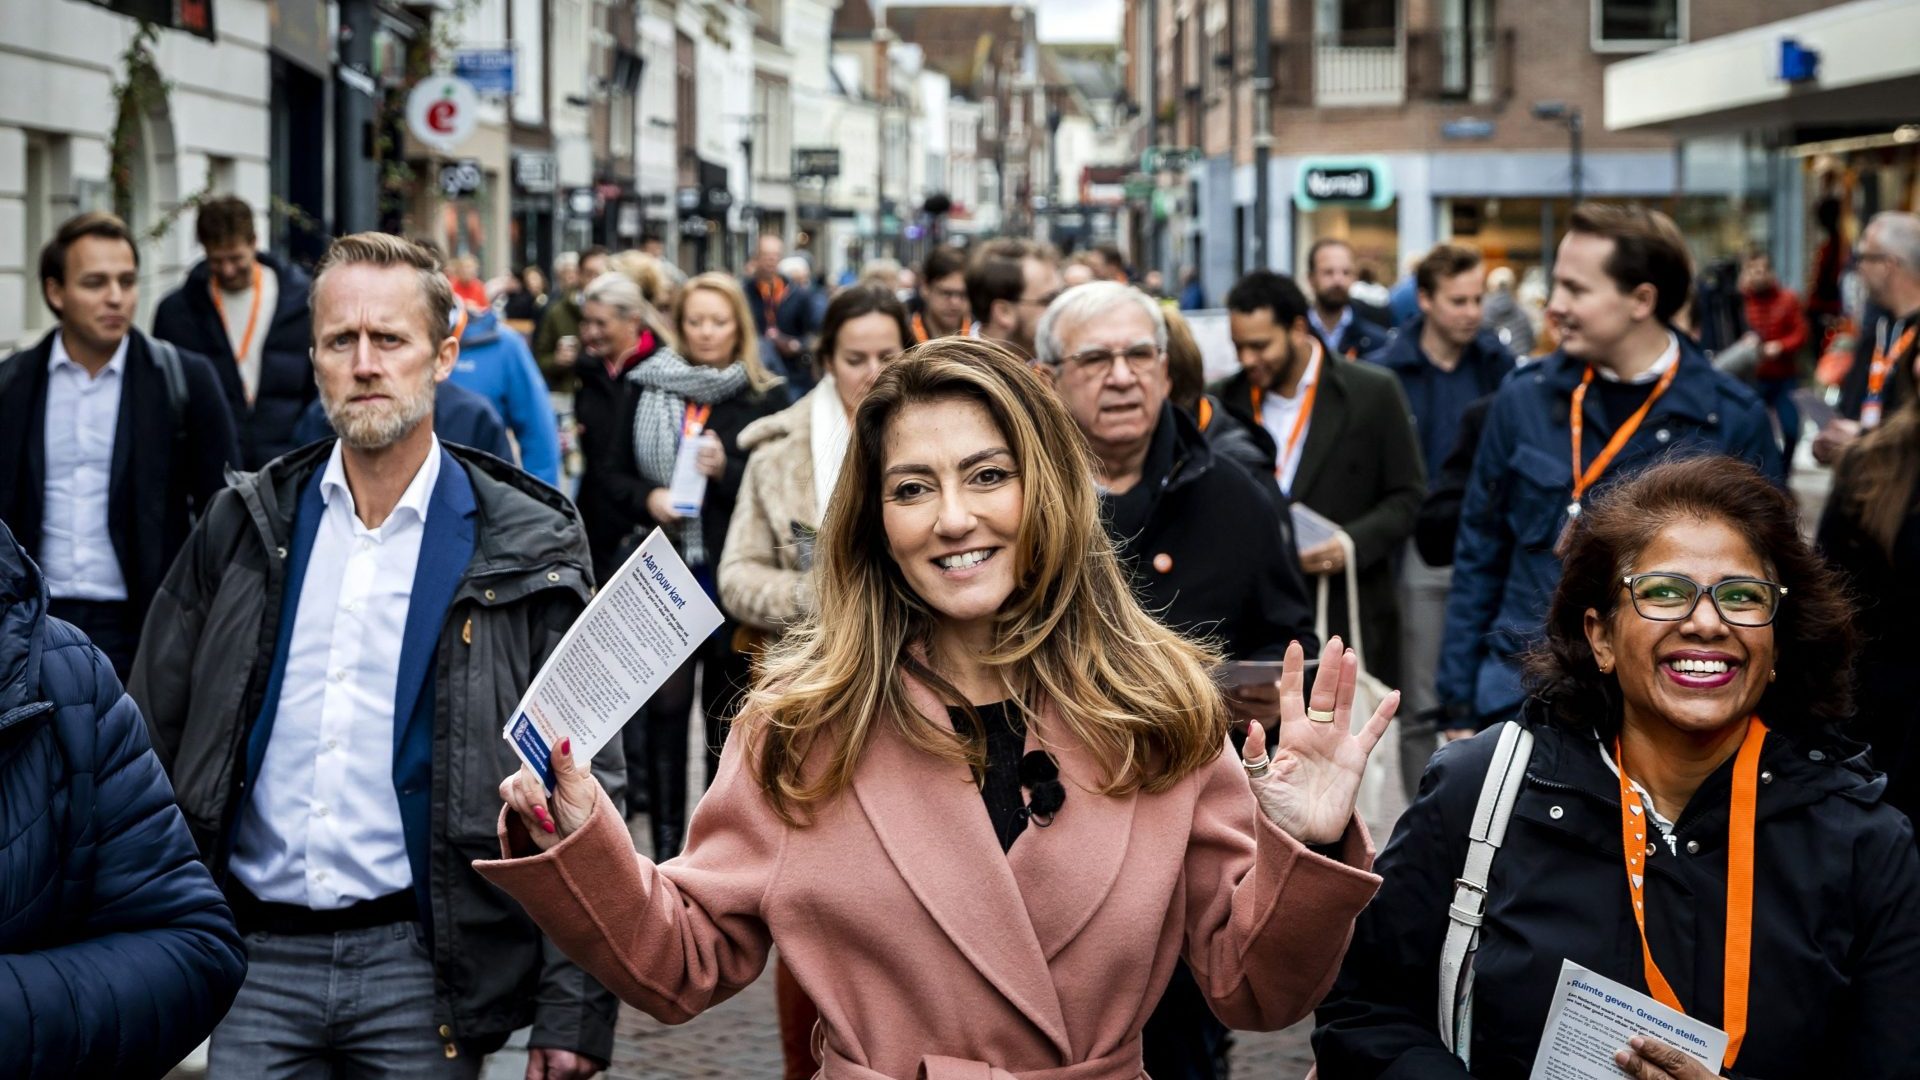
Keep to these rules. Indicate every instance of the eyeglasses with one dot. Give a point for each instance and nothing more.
(1043, 301)
(1142, 358)
(951, 295)
(1672, 598)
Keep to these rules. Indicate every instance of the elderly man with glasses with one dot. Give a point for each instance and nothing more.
(1201, 537)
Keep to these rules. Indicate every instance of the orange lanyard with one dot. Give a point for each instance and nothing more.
(1877, 372)
(920, 335)
(1583, 479)
(459, 318)
(695, 420)
(253, 314)
(1299, 430)
(771, 293)
(1635, 824)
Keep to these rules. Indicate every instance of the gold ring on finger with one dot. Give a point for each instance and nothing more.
(1320, 716)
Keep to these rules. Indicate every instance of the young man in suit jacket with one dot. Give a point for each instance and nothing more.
(1622, 373)
(245, 310)
(110, 447)
(1343, 443)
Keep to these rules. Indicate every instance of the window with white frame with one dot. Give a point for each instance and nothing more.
(1638, 25)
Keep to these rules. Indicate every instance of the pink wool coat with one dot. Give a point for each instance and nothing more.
(932, 954)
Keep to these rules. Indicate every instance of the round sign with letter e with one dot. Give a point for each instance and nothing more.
(442, 111)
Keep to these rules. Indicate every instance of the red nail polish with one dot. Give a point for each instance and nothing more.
(566, 746)
(549, 825)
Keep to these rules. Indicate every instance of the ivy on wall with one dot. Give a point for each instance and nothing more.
(140, 93)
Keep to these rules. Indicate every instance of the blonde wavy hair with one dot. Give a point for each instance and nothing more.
(1138, 696)
(746, 349)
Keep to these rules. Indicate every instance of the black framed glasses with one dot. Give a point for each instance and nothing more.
(1663, 597)
(1142, 358)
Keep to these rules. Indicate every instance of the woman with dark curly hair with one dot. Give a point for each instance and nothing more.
(1696, 666)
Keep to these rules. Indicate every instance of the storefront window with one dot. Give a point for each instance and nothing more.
(1374, 235)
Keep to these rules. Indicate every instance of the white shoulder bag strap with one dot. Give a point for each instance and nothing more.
(1352, 577)
(1505, 774)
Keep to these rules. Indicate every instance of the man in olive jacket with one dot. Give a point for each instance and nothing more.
(326, 672)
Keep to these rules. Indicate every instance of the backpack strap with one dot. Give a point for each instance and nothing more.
(167, 359)
(1505, 776)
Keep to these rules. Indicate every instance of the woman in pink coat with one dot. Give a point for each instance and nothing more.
(982, 802)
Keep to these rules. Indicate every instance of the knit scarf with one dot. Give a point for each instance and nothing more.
(667, 384)
(828, 435)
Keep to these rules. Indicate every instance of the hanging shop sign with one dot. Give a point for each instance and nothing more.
(1344, 182)
(489, 70)
(193, 16)
(460, 178)
(442, 111)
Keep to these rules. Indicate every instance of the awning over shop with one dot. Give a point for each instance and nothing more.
(1866, 71)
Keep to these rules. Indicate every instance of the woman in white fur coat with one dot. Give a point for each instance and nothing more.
(794, 458)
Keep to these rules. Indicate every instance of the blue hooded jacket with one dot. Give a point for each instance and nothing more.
(117, 953)
(497, 364)
(1504, 567)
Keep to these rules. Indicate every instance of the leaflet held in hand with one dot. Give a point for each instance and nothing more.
(1592, 1018)
(689, 487)
(641, 626)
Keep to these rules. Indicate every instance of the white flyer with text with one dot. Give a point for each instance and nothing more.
(641, 626)
(1593, 1017)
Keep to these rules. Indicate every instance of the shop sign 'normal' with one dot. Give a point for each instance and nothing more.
(1346, 182)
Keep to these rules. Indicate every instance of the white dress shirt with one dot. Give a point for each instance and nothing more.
(1277, 415)
(83, 414)
(1659, 368)
(321, 828)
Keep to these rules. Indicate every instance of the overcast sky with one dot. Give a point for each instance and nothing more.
(1060, 20)
(1079, 20)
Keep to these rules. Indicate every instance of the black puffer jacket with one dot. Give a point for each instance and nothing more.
(117, 952)
(201, 677)
(1209, 552)
(1835, 987)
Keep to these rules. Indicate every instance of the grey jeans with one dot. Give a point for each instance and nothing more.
(334, 1006)
(1423, 623)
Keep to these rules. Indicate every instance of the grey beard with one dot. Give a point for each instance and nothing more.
(379, 428)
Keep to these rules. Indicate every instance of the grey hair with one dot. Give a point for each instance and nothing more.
(617, 291)
(1899, 233)
(795, 266)
(566, 260)
(1082, 303)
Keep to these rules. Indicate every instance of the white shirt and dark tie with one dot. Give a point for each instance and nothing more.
(321, 828)
(82, 419)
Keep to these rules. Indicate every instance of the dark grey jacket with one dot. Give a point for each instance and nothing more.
(201, 677)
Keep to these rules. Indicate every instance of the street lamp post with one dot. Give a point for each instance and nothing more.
(1567, 116)
(1262, 126)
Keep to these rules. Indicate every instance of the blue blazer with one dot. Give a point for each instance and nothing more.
(445, 549)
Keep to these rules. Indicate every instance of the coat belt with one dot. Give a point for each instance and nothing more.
(1122, 1064)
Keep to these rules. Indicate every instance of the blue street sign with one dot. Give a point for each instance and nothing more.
(489, 70)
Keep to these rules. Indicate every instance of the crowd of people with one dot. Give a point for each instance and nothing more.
(1051, 677)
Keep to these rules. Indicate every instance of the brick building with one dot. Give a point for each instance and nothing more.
(1401, 123)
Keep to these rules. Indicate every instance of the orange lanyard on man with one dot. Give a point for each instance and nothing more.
(1299, 429)
(1883, 361)
(253, 315)
(1584, 478)
(920, 335)
(1634, 828)
(771, 293)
